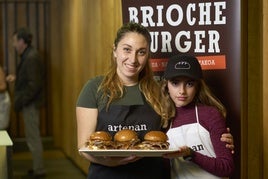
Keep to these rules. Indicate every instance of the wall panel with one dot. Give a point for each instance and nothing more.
(54, 74)
(255, 98)
(31, 14)
(81, 41)
(265, 88)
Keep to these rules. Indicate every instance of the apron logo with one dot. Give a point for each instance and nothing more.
(198, 147)
(137, 127)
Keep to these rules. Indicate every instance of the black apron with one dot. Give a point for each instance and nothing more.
(141, 118)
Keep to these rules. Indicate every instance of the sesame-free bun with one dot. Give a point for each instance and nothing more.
(100, 140)
(154, 140)
(101, 135)
(125, 135)
(156, 136)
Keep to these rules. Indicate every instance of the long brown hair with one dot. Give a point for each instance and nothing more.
(113, 88)
(204, 96)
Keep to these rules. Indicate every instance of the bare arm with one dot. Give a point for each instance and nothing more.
(86, 125)
(3, 85)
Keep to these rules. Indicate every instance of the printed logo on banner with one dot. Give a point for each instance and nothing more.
(195, 27)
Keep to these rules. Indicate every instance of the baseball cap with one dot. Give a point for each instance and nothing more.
(183, 65)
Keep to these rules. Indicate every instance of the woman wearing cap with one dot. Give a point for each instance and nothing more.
(198, 124)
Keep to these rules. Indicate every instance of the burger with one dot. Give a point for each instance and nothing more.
(126, 139)
(100, 140)
(154, 140)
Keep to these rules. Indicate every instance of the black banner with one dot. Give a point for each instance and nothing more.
(210, 30)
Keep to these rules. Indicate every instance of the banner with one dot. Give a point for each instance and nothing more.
(208, 29)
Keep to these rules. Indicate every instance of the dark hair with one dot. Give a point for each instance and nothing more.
(25, 34)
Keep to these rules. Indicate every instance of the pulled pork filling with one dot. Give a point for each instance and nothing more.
(150, 145)
(127, 144)
(100, 144)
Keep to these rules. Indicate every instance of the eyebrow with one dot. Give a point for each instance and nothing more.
(127, 45)
(142, 48)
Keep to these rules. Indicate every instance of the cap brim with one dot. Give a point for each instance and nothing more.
(168, 77)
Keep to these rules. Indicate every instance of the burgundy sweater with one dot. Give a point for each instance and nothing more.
(212, 120)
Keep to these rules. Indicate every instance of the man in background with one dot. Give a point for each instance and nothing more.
(28, 95)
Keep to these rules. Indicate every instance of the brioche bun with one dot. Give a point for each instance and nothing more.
(101, 135)
(156, 136)
(154, 140)
(125, 135)
(100, 140)
(126, 139)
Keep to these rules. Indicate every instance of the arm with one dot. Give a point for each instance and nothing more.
(29, 81)
(3, 85)
(86, 124)
(35, 78)
(222, 164)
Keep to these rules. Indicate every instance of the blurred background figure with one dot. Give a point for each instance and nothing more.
(28, 95)
(4, 102)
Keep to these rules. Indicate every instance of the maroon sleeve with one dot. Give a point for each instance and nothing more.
(223, 164)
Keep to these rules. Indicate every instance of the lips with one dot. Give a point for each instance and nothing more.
(181, 98)
(131, 68)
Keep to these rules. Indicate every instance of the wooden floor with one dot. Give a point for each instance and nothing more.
(56, 163)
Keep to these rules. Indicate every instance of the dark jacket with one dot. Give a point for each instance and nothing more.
(29, 80)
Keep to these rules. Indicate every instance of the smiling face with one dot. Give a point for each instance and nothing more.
(182, 90)
(131, 55)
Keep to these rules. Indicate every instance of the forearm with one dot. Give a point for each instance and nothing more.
(110, 161)
(220, 162)
(86, 124)
(220, 166)
(99, 160)
(3, 85)
(92, 159)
